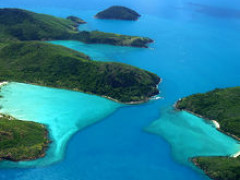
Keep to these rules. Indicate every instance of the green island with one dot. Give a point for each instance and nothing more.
(22, 25)
(76, 20)
(118, 12)
(25, 58)
(21, 140)
(222, 105)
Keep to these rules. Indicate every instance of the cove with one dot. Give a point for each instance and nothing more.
(63, 112)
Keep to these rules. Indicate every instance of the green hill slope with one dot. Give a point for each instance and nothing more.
(21, 140)
(60, 67)
(222, 105)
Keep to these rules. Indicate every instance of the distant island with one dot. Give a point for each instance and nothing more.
(118, 12)
(22, 25)
(21, 140)
(222, 106)
(76, 20)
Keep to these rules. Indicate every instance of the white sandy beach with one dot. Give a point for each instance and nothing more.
(3, 83)
(217, 125)
(236, 154)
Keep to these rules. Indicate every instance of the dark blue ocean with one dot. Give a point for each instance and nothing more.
(196, 49)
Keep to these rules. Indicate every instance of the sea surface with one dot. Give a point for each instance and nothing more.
(196, 49)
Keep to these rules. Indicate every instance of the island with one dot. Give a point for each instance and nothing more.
(222, 106)
(22, 25)
(22, 140)
(118, 12)
(76, 20)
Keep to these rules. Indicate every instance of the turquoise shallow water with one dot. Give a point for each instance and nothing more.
(63, 112)
(191, 136)
(196, 49)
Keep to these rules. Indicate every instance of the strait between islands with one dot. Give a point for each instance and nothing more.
(25, 58)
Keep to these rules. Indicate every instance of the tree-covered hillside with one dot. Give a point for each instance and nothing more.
(222, 105)
(17, 24)
(57, 66)
(21, 140)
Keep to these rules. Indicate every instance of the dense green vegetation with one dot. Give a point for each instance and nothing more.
(21, 140)
(222, 105)
(220, 168)
(23, 58)
(16, 24)
(111, 38)
(76, 20)
(57, 66)
(118, 12)
(22, 25)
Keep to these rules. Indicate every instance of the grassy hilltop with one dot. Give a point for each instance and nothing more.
(222, 105)
(22, 25)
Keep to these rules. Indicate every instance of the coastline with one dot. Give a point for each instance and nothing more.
(110, 98)
(193, 160)
(44, 147)
(217, 126)
(3, 83)
(215, 123)
(236, 154)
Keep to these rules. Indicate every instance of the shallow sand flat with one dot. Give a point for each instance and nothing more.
(64, 112)
(192, 136)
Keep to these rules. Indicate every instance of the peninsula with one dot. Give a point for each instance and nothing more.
(118, 12)
(223, 106)
(22, 25)
(76, 20)
(21, 140)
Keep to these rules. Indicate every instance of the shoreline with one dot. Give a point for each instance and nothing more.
(44, 147)
(153, 97)
(215, 123)
(3, 83)
(236, 154)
